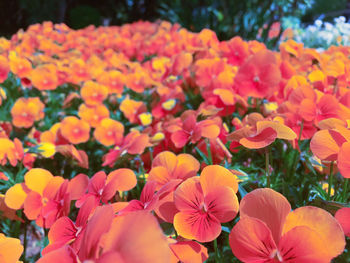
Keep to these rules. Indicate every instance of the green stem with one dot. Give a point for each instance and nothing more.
(300, 132)
(25, 240)
(345, 189)
(210, 159)
(330, 181)
(217, 254)
(267, 162)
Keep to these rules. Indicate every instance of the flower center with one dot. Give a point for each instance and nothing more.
(256, 79)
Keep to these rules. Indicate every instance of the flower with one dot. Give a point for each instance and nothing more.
(205, 202)
(269, 232)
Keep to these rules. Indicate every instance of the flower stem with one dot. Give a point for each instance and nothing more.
(330, 181)
(345, 189)
(217, 254)
(267, 163)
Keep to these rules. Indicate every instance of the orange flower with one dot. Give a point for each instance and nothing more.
(269, 232)
(132, 109)
(93, 93)
(10, 249)
(114, 80)
(333, 145)
(236, 50)
(109, 132)
(26, 111)
(45, 77)
(258, 76)
(75, 130)
(93, 115)
(205, 202)
(42, 195)
(11, 151)
(19, 66)
(167, 166)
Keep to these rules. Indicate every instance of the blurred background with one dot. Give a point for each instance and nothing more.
(264, 20)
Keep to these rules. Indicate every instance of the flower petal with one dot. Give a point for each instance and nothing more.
(251, 240)
(261, 140)
(202, 227)
(268, 206)
(343, 217)
(214, 176)
(322, 223)
(36, 179)
(344, 160)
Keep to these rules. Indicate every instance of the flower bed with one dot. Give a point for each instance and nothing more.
(150, 143)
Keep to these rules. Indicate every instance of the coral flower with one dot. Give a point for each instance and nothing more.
(343, 217)
(258, 76)
(187, 251)
(75, 130)
(269, 232)
(26, 111)
(4, 68)
(109, 132)
(121, 239)
(19, 66)
(93, 93)
(103, 187)
(191, 131)
(114, 80)
(205, 202)
(10, 249)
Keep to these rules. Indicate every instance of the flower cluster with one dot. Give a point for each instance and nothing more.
(146, 142)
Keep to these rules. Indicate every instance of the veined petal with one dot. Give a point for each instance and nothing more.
(197, 225)
(189, 195)
(303, 245)
(251, 240)
(222, 203)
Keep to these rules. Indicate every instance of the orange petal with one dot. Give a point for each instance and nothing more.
(36, 179)
(343, 217)
(187, 166)
(189, 252)
(10, 249)
(160, 175)
(344, 160)
(325, 144)
(214, 176)
(202, 227)
(261, 140)
(307, 110)
(137, 237)
(52, 187)
(222, 203)
(283, 131)
(268, 206)
(166, 159)
(209, 129)
(303, 245)
(15, 196)
(125, 179)
(251, 240)
(321, 222)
